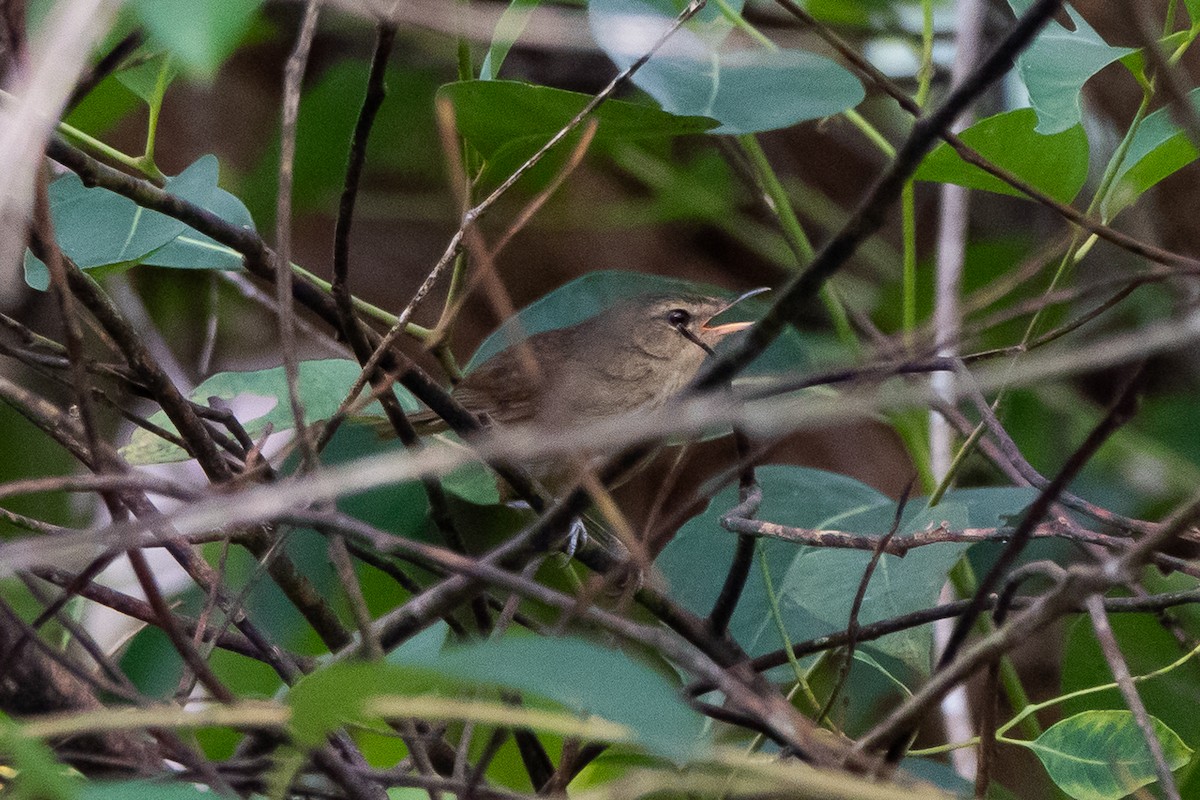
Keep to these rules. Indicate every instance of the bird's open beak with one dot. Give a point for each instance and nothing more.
(732, 327)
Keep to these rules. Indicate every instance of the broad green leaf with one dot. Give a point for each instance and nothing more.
(1101, 755)
(200, 33)
(751, 91)
(816, 586)
(820, 583)
(1159, 148)
(1057, 65)
(586, 296)
(693, 74)
(575, 675)
(508, 28)
(97, 228)
(1057, 164)
(474, 483)
(144, 790)
(323, 385)
(194, 250)
(1193, 9)
(509, 121)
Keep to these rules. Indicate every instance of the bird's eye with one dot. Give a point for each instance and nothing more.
(677, 316)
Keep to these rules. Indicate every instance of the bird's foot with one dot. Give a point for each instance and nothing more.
(577, 537)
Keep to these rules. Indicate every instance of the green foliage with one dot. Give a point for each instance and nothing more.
(323, 385)
(575, 675)
(1057, 65)
(97, 228)
(1101, 755)
(324, 128)
(746, 91)
(39, 775)
(200, 33)
(816, 585)
(1057, 164)
(508, 28)
(143, 790)
(1159, 149)
(507, 122)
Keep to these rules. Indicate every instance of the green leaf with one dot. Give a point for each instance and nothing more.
(142, 79)
(1101, 755)
(589, 295)
(1147, 647)
(194, 250)
(325, 126)
(508, 28)
(323, 385)
(692, 74)
(474, 483)
(816, 586)
(1057, 164)
(1159, 148)
(98, 228)
(751, 91)
(576, 675)
(201, 33)
(39, 775)
(508, 121)
(1193, 9)
(1057, 65)
(144, 790)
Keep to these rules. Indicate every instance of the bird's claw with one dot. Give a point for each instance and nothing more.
(577, 537)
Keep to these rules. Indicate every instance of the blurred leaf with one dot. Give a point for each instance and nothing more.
(474, 483)
(508, 28)
(746, 91)
(98, 228)
(103, 107)
(142, 79)
(572, 673)
(1056, 164)
(325, 126)
(1057, 65)
(817, 585)
(144, 790)
(1147, 646)
(1193, 9)
(1135, 62)
(509, 121)
(589, 295)
(1101, 755)
(201, 33)
(323, 385)
(1159, 148)
(39, 775)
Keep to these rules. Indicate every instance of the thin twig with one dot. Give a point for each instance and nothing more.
(1120, 670)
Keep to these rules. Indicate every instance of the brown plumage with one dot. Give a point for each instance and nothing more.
(632, 357)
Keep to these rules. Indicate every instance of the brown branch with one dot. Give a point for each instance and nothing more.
(1120, 670)
(971, 156)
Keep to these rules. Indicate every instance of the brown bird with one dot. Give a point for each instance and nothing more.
(631, 357)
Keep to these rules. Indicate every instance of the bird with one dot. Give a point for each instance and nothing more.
(632, 357)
